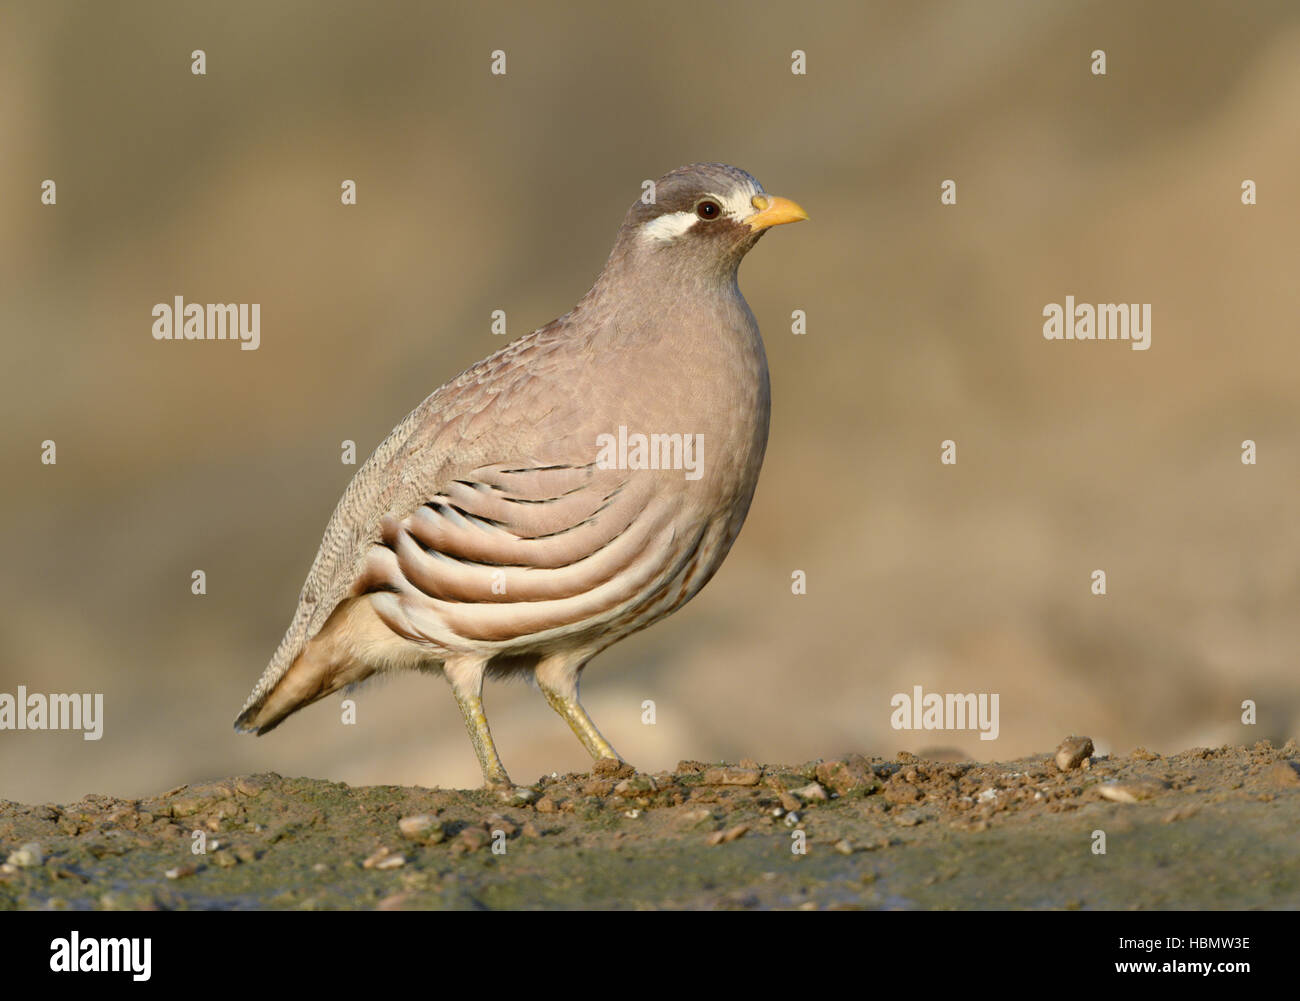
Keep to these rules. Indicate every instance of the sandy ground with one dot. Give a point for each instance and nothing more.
(1205, 828)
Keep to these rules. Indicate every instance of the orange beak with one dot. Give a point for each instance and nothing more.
(774, 211)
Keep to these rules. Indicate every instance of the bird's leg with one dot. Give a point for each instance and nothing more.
(467, 684)
(559, 683)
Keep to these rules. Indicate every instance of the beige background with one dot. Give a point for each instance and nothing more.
(478, 193)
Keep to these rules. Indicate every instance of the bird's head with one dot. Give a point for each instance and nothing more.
(701, 220)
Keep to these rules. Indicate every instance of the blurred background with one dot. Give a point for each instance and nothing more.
(478, 192)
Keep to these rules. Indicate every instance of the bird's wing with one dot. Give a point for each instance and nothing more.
(440, 498)
(513, 551)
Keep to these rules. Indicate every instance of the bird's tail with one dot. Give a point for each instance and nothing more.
(325, 665)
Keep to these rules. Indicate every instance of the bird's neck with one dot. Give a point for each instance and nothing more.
(648, 281)
(638, 303)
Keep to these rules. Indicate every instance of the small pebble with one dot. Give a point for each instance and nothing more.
(1130, 792)
(637, 785)
(519, 796)
(248, 787)
(384, 859)
(1073, 752)
(698, 819)
(471, 840)
(813, 792)
(730, 834)
(422, 827)
(28, 855)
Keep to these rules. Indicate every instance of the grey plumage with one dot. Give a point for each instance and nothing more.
(486, 533)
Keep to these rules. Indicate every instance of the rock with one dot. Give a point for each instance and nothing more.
(789, 801)
(844, 846)
(698, 819)
(844, 776)
(1142, 754)
(247, 786)
(908, 818)
(224, 858)
(637, 785)
(27, 856)
(471, 840)
(181, 871)
(1284, 773)
(1130, 792)
(530, 830)
(1073, 752)
(422, 827)
(547, 805)
(518, 796)
(813, 792)
(188, 806)
(505, 825)
(690, 767)
(727, 776)
(785, 781)
(899, 792)
(730, 834)
(384, 859)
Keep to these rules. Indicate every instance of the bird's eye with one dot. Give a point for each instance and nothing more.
(708, 209)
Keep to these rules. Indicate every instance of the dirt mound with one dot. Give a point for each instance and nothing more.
(1200, 829)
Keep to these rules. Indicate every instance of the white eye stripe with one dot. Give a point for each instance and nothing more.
(737, 206)
(669, 226)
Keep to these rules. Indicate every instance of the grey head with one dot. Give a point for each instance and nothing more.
(700, 220)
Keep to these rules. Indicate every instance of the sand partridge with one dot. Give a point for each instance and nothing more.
(578, 485)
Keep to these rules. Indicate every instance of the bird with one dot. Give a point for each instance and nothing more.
(575, 487)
